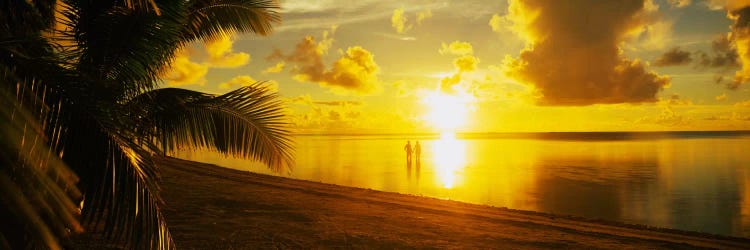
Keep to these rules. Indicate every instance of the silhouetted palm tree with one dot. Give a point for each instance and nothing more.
(79, 92)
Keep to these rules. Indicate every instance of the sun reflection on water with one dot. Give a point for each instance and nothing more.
(449, 157)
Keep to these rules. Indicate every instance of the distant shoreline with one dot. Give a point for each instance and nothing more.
(583, 136)
(207, 206)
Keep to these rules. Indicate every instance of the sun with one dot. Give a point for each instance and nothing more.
(448, 111)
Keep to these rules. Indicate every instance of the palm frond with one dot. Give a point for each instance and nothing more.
(118, 179)
(127, 199)
(210, 19)
(143, 4)
(19, 16)
(247, 123)
(123, 51)
(37, 205)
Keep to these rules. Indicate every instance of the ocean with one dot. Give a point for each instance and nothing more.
(697, 181)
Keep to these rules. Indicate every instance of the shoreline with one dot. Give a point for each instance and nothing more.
(227, 208)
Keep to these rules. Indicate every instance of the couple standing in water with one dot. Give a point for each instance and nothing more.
(409, 150)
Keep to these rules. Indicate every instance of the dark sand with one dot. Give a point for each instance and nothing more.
(210, 207)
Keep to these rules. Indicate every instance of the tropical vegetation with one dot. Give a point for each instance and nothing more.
(83, 117)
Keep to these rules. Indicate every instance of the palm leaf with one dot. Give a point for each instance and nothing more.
(247, 123)
(123, 51)
(210, 19)
(143, 4)
(38, 190)
(20, 16)
(118, 178)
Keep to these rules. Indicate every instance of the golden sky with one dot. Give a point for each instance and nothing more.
(375, 66)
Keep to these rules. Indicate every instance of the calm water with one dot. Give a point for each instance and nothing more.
(691, 181)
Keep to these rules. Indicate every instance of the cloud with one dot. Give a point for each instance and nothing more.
(723, 54)
(402, 24)
(305, 6)
(731, 117)
(353, 114)
(742, 104)
(401, 37)
(673, 57)
(354, 72)
(339, 103)
(739, 38)
(245, 80)
(679, 3)
(676, 100)
(274, 69)
(498, 23)
(184, 72)
(669, 117)
(423, 15)
(721, 97)
(653, 33)
(399, 21)
(572, 55)
(305, 99)
(220, 53)
(334, 115)
(666, 117)
(238, 81)
(402, 89)
(727, 4)
(306, 14)
(466, 62)
(456, 48)
(315, 115)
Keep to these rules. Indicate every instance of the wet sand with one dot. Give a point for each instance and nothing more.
(210, 207)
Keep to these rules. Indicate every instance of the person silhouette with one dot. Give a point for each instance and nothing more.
(408, 150)
(418, 150)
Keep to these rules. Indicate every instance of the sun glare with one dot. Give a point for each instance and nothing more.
(449, 158)
(448, 112)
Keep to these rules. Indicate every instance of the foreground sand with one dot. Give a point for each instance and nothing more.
(209, 207)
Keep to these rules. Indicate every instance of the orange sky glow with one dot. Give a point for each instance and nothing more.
(492, 66)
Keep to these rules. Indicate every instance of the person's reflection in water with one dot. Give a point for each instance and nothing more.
(419, 168)
(418, 151)
(408, 170)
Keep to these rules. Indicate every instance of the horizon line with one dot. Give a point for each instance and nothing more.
(530, 132)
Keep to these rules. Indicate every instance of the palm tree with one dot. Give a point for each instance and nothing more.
(81, 79)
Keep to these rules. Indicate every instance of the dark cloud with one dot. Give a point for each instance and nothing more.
(334, 115)
(676, 100)
(572, 55)
(679, 3)
(724, 55)
(673, 57)
(741, 36)
(738, 39)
